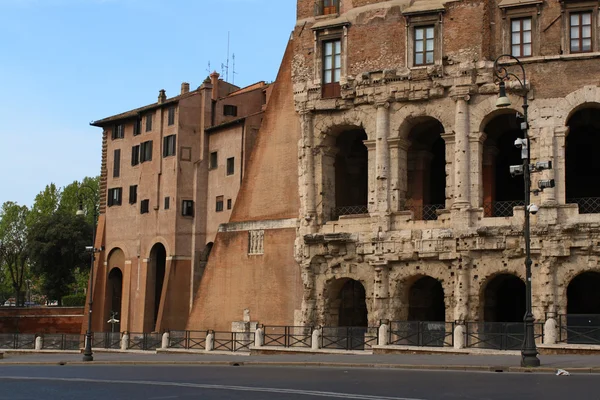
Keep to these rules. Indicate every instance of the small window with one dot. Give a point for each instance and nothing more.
(219, 206)
(133, 194)
(167, 202)
(169, 145)
(145, 206)
(117, 163)
(187, 208)
(520, 37)
(229, 204)
(137, 127)
(114, 197)
(230, 111)
(148, 122)
(230, 166)
(213, 160)
(146, 151)
(171, 116)
(424, 45)
(135, 155)
(580, 25)
(118, 131)
(332, 67)
(327, 7)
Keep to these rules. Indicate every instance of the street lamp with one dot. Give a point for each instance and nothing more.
(529, 351)
(87, 353)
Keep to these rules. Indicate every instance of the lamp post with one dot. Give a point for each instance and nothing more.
(87, 353)
(529, 351)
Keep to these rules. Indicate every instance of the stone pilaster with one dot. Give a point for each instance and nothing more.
(476, 141)
(381, 291)
(398, 173)
(308, 168)
(560, 135)
(461, 153)
(461, 289)
(382, 155)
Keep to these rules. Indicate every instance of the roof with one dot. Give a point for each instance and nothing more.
(230, 123)
(257, 85)
(516, 3)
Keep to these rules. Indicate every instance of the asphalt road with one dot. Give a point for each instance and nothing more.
(249, 383)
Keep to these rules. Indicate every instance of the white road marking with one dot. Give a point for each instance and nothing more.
(214, 387)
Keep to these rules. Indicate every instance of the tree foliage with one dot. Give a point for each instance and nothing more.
(13, 245)
(84, 192)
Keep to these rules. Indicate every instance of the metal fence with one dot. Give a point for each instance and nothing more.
(426, 212)
(144, 341)
(349, 337)
(348, 210)
(189, 340)
(499, 335)
(233, 341)
(21, 341)
(106, 340)
(288, 336)
(62, 341)
(501, 208)
(579, 328)
(421, 333)
(587, 205)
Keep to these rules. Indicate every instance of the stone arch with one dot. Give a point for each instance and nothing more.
(401, 119)
(117, 246)
(346, 303)
(113, 286)
(583, 293)
(565, 108)
(482, 112)
(327, 124)
(157, 267)
(502, 298)
(114, 297)
(425, 299)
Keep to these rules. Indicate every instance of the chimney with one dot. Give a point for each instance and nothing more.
(214, 77)
(162, 96)
(185, 88)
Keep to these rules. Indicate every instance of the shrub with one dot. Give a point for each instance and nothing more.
(74, 300)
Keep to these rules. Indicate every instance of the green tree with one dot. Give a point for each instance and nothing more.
(13, 245)
(45, 203)
(87, 192)
(57, 249)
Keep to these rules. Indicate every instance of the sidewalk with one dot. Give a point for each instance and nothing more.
(499, 363)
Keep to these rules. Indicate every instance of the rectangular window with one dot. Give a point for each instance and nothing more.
(424, 45)
(219, 205)
(118, 131)
(135, 155)
(137, 127)
(230, 165)
(332, 67)
(327, 7)
(169, 145)
(167, 203)
(230, 111)
(132, 194)
(229, 204)
(145, 206)
(187, 208)
(171, 116)
(212, 164)
(148, 122)
(117, 163)
(520, 37)
(581, 32)
(146, 151)
(114, 197)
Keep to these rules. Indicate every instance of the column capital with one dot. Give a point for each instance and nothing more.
(382, 104)
(561, 131)
(477, 137)
(449, 138)
(399, 143)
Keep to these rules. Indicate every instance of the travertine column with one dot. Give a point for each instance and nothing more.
(381, 292)
(461, 153)
(398, 173)
(461, 290)
(476, 141)
(382, 155)
(449, 144)
(560, 134)
(308, 164)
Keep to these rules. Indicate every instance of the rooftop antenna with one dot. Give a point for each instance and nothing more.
(233, 74)
(225, 67)
(209, 70)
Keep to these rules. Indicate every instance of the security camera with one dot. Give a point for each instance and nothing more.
(521, 143)
(546, 184)
(541, 165)
(89, 248)
(516, 170)
(533, 208)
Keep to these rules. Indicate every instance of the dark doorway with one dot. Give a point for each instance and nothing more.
(353, 305)
(351, 173)
(581, 147)
(158, 258)
(505, 299)
(426, 300)
(583, 294)
(501, 191)
(115, 288)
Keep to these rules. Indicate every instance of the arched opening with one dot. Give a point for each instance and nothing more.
(580, 149)
(583, 310)
(426, 189)
(504, 299)
(351, 173)
(114, 297)
(426, 300)
(353, 305)
(501, 191)
(156, 277)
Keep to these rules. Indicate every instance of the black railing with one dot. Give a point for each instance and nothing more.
(190, 340)
(62, 341)
(421, 333)
(21, 341)
(587, 205)
(288, 336)
(499, 335)
(501, 208)
(579, 328)
(233, 341)
(145, 341)
(426, 212)
(106, 340)
(349, 210)
(349, 337)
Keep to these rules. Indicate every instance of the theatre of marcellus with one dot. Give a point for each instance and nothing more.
(379, 184)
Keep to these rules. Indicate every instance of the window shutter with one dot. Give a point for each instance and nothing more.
(117, 163)
(165, 146)
(150, 150)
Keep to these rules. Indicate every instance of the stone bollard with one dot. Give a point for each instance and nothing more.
(259, 337)
(39, 343)
(550, 331)
(125, 341)
(316, 339)
(384, 333)
(210, 341)
(165, 341)
(459, 337)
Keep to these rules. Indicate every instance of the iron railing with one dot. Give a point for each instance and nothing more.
(233, 341)
(62, 341)
(579, 328)
(421, 333)
(349, 337)
(425, 212)
(189, 340)
(501, 208)
(499, 335)
(349, 210)
(288, 336)
(587, 205)
(21, 341)
(145, 341)
(106, 340)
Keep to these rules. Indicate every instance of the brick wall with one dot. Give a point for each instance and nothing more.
(41, 319)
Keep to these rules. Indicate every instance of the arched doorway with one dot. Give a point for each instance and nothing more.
(156, 277)
(504, 299)
(114, 297)
(426, 189)
(580, 147)
(351, 173)
(426, 300)
(113, 290)
(501, 191)
(583, 310)
(352, 305)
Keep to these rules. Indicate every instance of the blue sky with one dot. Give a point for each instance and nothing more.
(65, 63)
